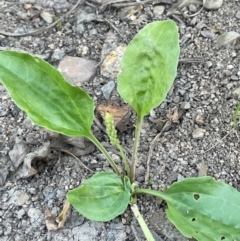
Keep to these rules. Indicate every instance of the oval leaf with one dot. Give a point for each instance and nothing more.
(102, 197)
(203, 208)
(43, 93)
(149, 66)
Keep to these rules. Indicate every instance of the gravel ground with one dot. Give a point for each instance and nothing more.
(204, 96)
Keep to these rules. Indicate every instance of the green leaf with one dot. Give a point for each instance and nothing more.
(42, 92)
(102, 197)
(149, 66)
(204, 209)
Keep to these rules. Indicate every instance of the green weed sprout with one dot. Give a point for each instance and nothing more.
(201, 208)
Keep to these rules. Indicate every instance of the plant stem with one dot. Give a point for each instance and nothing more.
(104, 151)
(142, 223)
(155, 193)
(126, 166)
(135, 148)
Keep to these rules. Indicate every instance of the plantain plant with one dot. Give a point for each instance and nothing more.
(201, 208)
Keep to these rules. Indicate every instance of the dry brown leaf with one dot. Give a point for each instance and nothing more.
(50, 221)
(228, 38)
(63, 215)
(173, 116)
(80, 145)
(121, 114)
(54, 223)
(40, 154)
(18, 153)
(215, 30)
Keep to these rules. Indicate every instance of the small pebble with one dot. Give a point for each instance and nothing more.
(83, 16)
(22, 199)
(208, 34)
(20, 213)
(107, 89)
(236, 93)
(58, 54)
(158, 10)
(176, 99)
(208, 64)
(192, 8)
(234, 77)
(238, 14)
(77, 70)
(27, 6)
(198, 133)
(212, 4)
(185, 105)
(46, 16)
(111, 64)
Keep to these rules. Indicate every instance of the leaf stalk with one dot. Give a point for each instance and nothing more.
(104, 151)
(135, 148)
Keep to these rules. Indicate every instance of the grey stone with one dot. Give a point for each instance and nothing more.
(58, 54)
(77, 70)
(185, 105)
(176, 99)
(107, 89)
(208, 34)
(234, 77)
(192, 8)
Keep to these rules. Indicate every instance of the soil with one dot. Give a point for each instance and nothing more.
(201, 141)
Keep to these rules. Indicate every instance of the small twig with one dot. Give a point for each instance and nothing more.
(152, 145)
(7, 7)
(236, 134)
(68, 152)
(193, 15)
(194, 60)
(219, 141)
(104, 6)
(111, 25)
(42, 29)
(117, 5)
(99, 125)
(135, 232)
(177, 18)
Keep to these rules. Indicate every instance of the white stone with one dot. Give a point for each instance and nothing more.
(212, 4)
(77, 70)
(198, 133)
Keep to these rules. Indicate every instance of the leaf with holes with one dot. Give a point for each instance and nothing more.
(149, 66)
(43, 93)
(203, 208)
(102, 197)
